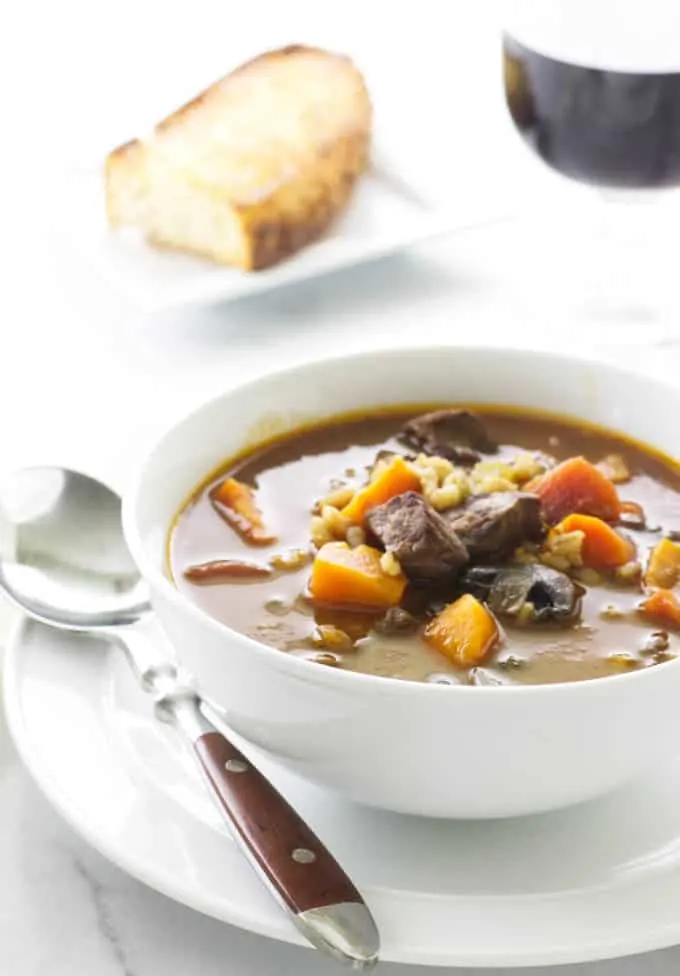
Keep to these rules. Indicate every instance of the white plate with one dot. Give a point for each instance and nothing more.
(385, 214)
(599, 881)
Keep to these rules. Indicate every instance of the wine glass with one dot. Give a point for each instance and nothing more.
(593, 87)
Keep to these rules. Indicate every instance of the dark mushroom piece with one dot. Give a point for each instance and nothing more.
(632, 516)
(396, 622)
(511, 662)
(657, 642)
(507, 588)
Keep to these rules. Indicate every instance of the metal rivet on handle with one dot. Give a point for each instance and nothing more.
(303, 855)
(236, 766)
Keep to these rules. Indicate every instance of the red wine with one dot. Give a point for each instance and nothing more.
(594, 87)
(613, 128)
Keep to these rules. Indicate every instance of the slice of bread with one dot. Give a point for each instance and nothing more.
(255, 167)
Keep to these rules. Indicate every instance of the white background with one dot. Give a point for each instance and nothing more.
(87, 379)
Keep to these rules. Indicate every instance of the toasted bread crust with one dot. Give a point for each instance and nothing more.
(275, 236)
(276, 54)
(275, 147)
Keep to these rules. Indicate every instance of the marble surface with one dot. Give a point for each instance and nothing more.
(88, 380)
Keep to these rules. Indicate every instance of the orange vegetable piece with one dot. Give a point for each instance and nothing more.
(662, 606)
(395, 479)
(465, 631)
(235, 502)
(354, 577)
(576, 486)
(663, 568)
(603, 547)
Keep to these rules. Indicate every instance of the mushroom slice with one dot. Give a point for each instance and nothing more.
(506, 589)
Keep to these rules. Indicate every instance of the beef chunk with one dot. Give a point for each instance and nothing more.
(458, 435)
(507, 588)
(494, 525)
(426, 547)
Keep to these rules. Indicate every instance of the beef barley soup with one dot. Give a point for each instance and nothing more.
(484, 547)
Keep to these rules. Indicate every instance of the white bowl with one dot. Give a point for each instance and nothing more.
(449, 751)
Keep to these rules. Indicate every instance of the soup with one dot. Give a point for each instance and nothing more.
(490, 547)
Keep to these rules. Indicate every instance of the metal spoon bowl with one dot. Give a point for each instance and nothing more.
(64, 561)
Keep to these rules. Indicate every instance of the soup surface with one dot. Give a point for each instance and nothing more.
(472, 549)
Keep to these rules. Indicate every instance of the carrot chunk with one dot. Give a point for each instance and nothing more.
(603, 547)
(235, 502)
(663, 568)
(465, 631)
(395, 479)
(576, 486)
(662, 606)
(354, 577)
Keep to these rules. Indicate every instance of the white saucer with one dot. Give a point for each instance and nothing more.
(599, 881)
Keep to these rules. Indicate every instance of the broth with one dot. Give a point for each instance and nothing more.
(292, 474)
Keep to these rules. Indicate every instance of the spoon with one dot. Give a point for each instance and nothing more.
(64, 561)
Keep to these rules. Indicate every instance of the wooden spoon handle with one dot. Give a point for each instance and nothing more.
(297, 868)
